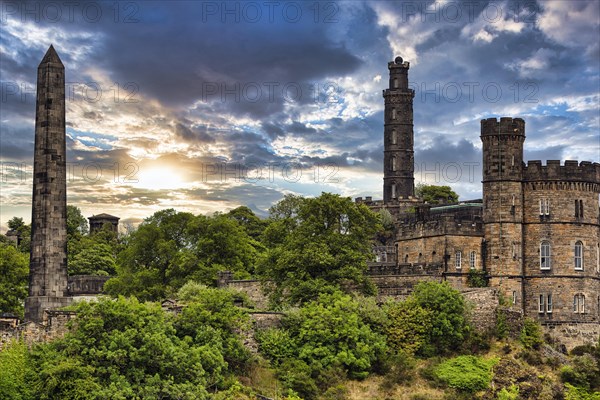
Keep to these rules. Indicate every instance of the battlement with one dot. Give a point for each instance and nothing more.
(584, 171)
(506, 126)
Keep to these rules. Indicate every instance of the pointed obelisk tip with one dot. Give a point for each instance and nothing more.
(51, 57)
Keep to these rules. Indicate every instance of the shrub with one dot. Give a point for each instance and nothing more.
(408, 326)
(400, 369)
(511, 394)
(449, 325)
(296, 375)
(531, 334)
(501, 326)
(276, 344)
(576, 393)
(466, 373)
(584, 372)
(477, 278)
(531, 357)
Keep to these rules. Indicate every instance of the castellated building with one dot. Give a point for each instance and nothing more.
(535, 235)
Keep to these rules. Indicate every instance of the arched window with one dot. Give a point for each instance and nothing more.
(458, 259)
(394, 137)
(393, 163)
(406, 259)
(393, 190)
(393, 113)
(579, 303)
(395, 83)
(472, 260)
(545, 256)
(578, 255)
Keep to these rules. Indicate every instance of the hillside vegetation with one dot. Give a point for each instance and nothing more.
(334, 342)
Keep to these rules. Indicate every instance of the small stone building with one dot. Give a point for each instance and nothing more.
(98, 221)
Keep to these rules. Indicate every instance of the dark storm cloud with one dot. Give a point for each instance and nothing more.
(195, 134)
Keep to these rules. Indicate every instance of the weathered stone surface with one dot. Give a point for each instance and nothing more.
(48, 258)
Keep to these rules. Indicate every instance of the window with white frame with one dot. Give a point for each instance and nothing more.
(541, 304)
(578, 255)
(514, 297)
(458, 259)
(579, 303)
(472, 260)
(549, 303)
(545, 256)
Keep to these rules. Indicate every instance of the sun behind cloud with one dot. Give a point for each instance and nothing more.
(158, 178)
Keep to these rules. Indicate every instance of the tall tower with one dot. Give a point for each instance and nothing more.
(48, 258)
(503, 204)
(398, 154)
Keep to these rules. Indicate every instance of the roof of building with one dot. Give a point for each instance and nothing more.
(455, 206)
(103, 216)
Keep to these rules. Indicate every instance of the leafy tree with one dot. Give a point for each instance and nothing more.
(583, 373)
(93, 258)
(408, 325)
(14, 273)
(211, 318)
(253, 225)
(324, 335)
(449, 325)
(122, 349)
(169, 248)
(16, 372)
(531, 334)
(434, 194)
(24, 232)
(15, 223)
(77, 224)
(323, 245)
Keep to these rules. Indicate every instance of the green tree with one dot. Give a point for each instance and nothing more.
(24, 232)
(15, 223)
(253, 225)
(434, 194)
(16, 372)
(326, 333)
(531, 334)
(14, 273)
(408, 325)
(448, 309)
(321, 247)
(77, 224)
(122, 349)
(211, 318)
(169, 248)
(92, 258)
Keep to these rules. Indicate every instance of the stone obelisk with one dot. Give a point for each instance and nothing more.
(48, 258)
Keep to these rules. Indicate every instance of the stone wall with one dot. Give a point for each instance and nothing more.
(55, 325)
(254, 291)
(573, 334)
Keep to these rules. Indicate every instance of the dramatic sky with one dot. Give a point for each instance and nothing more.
(206, 105)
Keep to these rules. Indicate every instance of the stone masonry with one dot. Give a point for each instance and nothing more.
(48, 257)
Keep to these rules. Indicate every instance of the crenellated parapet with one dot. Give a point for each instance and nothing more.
(571, 172)
(507, 126)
